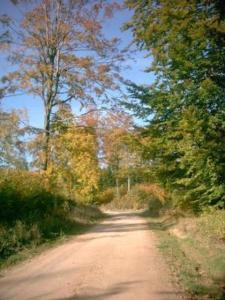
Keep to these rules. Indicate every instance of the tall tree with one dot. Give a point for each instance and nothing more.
(186, 133)
(60, 54)
(73, 156)
(116, 134)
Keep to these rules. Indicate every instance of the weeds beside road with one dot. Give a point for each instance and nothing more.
(194, 248)
(19, 242)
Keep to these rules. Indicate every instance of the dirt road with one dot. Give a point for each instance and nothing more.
(118, 259)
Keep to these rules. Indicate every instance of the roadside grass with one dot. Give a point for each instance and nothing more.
(196, 259)
(79, 220)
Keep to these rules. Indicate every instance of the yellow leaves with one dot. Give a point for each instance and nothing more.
(75, 162)
(62, 50)
(11, 121)
(82, 62)
(91, 25)
(103, 68)
(153, 190)
(115, 136)
(12, 146)
(87, 173)
(111, 7)
(207, 87)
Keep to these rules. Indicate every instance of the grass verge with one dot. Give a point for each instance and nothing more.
(197, 260)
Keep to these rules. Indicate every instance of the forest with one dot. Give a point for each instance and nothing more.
(105, 140)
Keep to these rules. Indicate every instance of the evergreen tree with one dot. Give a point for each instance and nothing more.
(186, 133)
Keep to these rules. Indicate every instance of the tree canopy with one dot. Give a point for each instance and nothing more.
(186, 101)
(60, 54)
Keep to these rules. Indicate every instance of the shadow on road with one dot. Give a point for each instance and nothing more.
(112, 227)
(123, 287)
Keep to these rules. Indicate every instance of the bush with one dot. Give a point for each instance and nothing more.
(151, 195)
(212, 223)
(33, 210)
(15, 238)
(27, 208)
(127, 201)
(28, 196)
(106, 196)
(140, 196)
(152, 191)
(85, 214)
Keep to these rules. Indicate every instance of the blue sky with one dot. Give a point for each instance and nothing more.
(135, 73)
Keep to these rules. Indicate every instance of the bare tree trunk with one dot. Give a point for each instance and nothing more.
(46, 138)
(117, 188)
(128, 184)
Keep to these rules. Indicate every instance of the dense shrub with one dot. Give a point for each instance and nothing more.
(127, 201)
(150, 196)
(106, 196)
(28, 196)
(13, 239)
(151, 191)
(33, 210)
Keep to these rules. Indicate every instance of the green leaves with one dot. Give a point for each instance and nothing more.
(186, 102)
